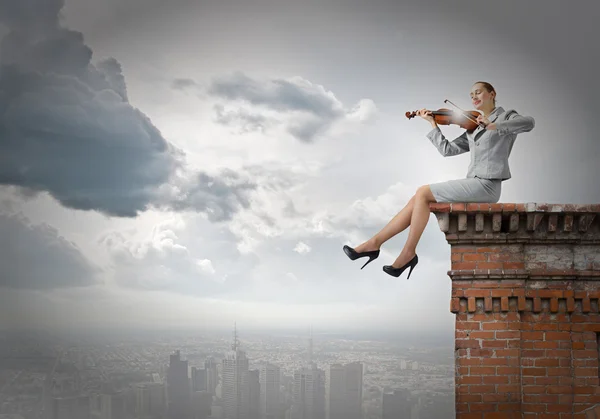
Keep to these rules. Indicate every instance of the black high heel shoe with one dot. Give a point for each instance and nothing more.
(389, 269)
(353, 254)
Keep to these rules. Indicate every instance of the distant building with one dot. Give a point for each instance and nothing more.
(270, 383)
(236, 383)
(396, 405)
(309, 393)
(346, 391)
(74, 407)
(198, 379)
(150, 401)
(212, 375)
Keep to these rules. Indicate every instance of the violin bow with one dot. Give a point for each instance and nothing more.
(464, 113)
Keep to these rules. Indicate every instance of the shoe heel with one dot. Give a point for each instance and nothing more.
(412, 266)
(371, 258)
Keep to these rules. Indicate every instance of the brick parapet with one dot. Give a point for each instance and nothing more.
(521, 241)
(518, 223)
(526, 297)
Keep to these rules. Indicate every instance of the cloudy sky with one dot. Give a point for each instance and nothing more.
(197, 163)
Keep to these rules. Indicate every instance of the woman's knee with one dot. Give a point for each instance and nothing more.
(424, 193)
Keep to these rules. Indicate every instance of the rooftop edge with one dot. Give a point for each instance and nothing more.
(458, 207)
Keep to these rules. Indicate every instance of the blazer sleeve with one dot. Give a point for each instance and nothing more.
(446, 148)
(515, 123)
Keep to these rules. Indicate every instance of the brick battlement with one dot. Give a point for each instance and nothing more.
(515, 296)
(526, 295)
(518, 223)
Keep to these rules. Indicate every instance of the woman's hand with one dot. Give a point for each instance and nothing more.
(481, 119)
(426, 115)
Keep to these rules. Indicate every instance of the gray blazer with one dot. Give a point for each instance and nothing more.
(490, 149)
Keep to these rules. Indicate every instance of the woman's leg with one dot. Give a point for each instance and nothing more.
(418, 222)
(399, 223)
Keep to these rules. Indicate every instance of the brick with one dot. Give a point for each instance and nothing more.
(494, 326)
(472, 304)
(534, 371)
(471, 380)
(482, 389)
(494, 379)
(495, 361)
(454, 305)
(483, 371)
(467, 398)
(467, 343)
(557, 335)
(482, 335)
(474, 257)
(478, 293)
(459, 266)
(468, 325)
(508, 335)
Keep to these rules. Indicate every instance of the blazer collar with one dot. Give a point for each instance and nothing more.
(498, 110)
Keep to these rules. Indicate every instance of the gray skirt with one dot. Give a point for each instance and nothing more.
(467, 190)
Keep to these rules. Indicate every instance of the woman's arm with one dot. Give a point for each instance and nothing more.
(514, 124)
(446, 148)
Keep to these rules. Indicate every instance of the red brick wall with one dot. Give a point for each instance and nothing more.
(525, 292)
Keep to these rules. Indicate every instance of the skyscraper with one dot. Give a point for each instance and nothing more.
(345, 391)
(269, 391)
(198, 379)
(70, 407)
(212, 375)
(254, 394)
(112, 406)
(236, 383)
(150, 401)
(308, 400)
(178, 388)
(309, 393)
(396, 405)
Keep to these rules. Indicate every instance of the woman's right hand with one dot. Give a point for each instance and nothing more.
(425, 114)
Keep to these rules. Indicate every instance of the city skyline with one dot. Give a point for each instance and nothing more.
(159, 379)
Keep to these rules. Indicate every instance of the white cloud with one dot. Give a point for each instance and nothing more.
(206, 266)
(302, 248)
(161, 261)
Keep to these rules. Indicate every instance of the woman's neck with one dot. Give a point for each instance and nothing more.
(487, 112)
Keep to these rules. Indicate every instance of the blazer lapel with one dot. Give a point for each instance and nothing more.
(495, 114)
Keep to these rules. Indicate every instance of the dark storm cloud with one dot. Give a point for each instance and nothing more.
(66, 126)
(37, 257)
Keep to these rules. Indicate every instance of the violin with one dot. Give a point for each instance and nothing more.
(445, 116)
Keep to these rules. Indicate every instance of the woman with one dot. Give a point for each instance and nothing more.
(490, 148)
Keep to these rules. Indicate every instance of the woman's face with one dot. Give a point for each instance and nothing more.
(481, 97)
